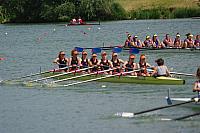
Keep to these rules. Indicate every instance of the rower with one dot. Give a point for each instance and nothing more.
(105, 64)
(85, 62)
(130, 65)
(148, 42)
(116, 62)
(168, 41)
(61, 60)
(197, 41)
(94, 63)
(128, 42)
(74, 61)
(137, 42)
(177, 41)
(80, 21)
(189, 42)
(160, 69)
(143, 66)
(196, 87)
(156, 42)
(73, 21)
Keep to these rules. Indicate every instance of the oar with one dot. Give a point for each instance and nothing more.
(185, 74)
(127, 114)
(182, 117)
(95, 79)
(53, 76)
(35, 74)
(84, 75)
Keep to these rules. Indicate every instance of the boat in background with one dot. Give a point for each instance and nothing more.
(82, 24)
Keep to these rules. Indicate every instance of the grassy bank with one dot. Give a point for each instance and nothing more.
(129, 5)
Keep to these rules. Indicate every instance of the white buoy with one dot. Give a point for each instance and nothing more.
(6, 33)
(99, 28)
(103, 86)
(54, 29)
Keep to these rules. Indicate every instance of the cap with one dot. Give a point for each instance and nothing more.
(136, 36)
(84, 52)
(190, 35)
(129, 35)
(132, 56)
(103, 53)
(147, 37)
(75, 52)
(155, 35)
(94, 55)
(142, 57)
(115, 54)
(178, 35)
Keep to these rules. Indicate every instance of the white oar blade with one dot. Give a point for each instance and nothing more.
(125, 114)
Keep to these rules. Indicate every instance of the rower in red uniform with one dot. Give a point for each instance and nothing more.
(85, 62)
(143, 66)
(130, 65)
(61, 60)
(73, 21)
(104, 63)
(74, 61)
(94, 63)
(80, 21)
(116, 62)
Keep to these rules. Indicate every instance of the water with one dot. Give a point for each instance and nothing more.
(89, 107)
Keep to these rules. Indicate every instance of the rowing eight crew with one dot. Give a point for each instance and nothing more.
(116, 64)
(167, 42)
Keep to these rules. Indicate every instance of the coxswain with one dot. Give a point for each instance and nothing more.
(61, 60)
(116, 62)
(74, 61)
(130, 65)
(85, 62)
(104, 63)
(144, 65)
(160, 69)
(94, 63)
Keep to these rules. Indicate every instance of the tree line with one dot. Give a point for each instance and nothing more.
(59, 10)
(34, 11)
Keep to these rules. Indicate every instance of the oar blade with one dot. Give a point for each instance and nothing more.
(134, 51)
(96, 50)
(79, 49)
(117, 50)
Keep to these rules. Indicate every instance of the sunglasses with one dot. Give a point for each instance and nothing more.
(84, 54)
(62, 54)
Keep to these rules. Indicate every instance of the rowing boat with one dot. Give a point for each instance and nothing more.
(83, 24)
(127, 79)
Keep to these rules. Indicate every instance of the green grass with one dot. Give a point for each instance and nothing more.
(149, 4)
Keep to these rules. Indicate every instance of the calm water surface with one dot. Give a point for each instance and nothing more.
(89, 107)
